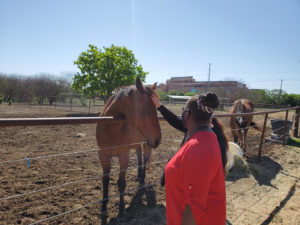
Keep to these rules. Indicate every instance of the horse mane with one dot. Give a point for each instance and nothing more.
(119, 92)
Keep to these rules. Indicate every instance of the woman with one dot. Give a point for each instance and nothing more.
(195, 186)
(177, 123)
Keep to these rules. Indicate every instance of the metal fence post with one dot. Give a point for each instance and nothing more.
(284, 131)
(262, 137)
(296, 122)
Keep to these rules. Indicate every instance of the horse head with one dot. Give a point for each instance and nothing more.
(134, 104)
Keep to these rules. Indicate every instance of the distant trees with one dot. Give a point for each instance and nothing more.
(103, 71)
(39, 87)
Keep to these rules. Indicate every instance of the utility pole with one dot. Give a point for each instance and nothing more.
(208, 84)
(280, 92)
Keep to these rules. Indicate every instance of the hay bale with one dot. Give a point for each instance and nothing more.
(235, 162)
(234, 153)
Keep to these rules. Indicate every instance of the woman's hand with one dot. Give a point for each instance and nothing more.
(156, 101)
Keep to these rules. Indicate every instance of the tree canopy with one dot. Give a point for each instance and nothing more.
(103, 71)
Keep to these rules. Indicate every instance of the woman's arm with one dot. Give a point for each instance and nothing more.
(172, 119)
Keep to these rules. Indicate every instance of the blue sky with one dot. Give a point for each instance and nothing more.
(254, 41)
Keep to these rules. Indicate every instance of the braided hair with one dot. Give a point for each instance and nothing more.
(202, 106)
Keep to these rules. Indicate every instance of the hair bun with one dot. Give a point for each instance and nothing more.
(211, 100)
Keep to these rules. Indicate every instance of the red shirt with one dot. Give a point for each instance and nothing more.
(195, 176)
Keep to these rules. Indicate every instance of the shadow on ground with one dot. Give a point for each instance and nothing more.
(142, 210)
(263, 171)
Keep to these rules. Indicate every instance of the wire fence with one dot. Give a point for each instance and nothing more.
(28, 122)
(95, 203)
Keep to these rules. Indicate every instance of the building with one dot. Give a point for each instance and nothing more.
(189, 84)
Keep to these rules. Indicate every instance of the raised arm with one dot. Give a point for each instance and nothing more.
(174, 120)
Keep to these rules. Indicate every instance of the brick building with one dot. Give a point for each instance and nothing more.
(189, 84)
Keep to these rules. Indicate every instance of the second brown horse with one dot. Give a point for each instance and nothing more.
(240, 124)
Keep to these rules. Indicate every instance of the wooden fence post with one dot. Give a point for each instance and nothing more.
(284, 131)
(296, 122)
(262, 137)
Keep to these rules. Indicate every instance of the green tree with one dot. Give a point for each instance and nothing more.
(291, 99)
(103, 71)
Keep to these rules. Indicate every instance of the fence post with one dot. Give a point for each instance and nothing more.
(89, 105)
(262, 137)
(284, 131)
(71, 102)
(296, 122)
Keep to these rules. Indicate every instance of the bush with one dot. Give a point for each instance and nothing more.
(190, 94)
(162, 95)
(177, 93)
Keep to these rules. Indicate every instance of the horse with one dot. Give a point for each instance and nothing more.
(240, 124)
(140, 129)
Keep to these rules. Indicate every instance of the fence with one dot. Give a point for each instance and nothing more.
(82, 103)
(66, 102)
(92, 120)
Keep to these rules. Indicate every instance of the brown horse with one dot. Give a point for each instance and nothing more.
(140, 126)
(240, 124)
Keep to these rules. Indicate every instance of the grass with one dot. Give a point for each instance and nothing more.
(295, 142)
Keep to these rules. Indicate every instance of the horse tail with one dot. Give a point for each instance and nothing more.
(255, 126)
(218, 129)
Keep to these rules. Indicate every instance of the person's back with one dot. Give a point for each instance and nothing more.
(197, 170)
(195, 184)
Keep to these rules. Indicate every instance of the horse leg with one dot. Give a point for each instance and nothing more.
(139, 157)
(235, 139)
(147, 156)
(245, 131)
(124, 159)
(234, 130)
(105, 162)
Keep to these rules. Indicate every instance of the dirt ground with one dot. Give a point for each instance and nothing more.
(66, 188)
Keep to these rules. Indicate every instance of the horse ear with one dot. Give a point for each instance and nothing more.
(154, 86)
(139, 85)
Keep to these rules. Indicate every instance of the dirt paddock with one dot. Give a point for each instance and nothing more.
(67, 187)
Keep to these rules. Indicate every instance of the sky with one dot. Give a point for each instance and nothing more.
(253, 41)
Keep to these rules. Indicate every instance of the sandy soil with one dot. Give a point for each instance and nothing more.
(68, 187)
